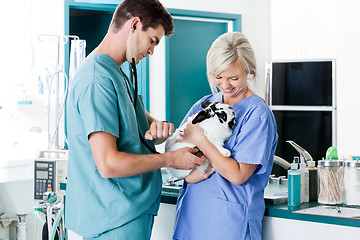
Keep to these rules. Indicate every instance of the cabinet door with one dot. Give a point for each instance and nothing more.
(287, 29)
(303, 29)
(186, 65)
(320, 27)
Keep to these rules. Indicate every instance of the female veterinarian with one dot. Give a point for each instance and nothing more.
(229, 204)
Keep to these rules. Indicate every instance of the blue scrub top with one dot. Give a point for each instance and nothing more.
(217, 209)
(100, 100)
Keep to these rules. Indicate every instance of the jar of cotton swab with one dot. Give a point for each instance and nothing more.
(331, 181)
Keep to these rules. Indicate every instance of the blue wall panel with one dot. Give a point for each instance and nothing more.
(187, 80)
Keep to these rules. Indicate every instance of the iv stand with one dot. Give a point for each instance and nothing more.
(59, 70)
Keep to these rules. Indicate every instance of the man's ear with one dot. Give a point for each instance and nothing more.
(135, 23)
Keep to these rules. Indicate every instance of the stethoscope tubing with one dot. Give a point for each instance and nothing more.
(133, 68)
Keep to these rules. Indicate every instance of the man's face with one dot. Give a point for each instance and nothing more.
(144, 42)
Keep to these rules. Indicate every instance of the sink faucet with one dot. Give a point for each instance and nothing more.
(281, 162)
(303, 153)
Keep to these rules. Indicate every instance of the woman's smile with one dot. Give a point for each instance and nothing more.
(228, 90)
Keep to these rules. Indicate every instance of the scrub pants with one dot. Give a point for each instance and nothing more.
(138, 229)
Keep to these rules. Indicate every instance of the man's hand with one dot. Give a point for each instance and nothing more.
(185, 158)
(159, 131)
(198, 176)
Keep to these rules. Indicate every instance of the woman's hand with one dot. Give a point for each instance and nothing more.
(198, 176)
(193, 133)
(159, 131)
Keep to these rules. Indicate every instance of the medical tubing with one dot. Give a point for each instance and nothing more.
(58, 217)
(63, 106)
(37, 215)
(61, 228)
(131, 48)
(51, 139)
(39, 218)
(49, 94)
(49, 219)
(133, 68)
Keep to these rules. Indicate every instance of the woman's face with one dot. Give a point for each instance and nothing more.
(232, 83)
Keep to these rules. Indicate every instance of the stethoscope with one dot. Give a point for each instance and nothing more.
(133, 69)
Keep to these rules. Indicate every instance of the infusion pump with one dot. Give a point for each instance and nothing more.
(50, 170)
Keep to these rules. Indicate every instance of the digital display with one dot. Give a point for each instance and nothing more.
(42, 165)
(42, 174)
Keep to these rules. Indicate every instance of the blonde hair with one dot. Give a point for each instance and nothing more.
(226, 49)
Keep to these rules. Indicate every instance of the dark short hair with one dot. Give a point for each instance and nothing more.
(151, 13)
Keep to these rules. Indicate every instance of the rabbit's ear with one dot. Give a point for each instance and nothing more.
(201, 116)
(231, 123)
(206, 103)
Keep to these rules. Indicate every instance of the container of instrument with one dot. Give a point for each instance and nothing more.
(352, 183)
(331, 181)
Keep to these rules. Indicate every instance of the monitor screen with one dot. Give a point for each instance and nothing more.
(312, 130)
(302, 83)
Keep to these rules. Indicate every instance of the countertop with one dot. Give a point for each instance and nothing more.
(169, 195)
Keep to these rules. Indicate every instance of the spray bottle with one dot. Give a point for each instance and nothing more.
(304, 181)
(294, 185)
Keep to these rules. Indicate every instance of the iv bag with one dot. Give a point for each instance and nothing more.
(77, 56)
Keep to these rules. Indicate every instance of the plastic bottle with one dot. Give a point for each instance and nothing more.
(352, 183)
(304, 181)
(313, 181)
(294, 185)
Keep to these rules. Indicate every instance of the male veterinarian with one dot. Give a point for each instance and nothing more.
(114, 183)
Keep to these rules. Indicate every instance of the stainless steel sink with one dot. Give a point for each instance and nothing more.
(276, 192)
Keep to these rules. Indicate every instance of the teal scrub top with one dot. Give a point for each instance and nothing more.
(217, 209)
(101, 99)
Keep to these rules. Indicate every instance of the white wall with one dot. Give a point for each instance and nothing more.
(255, 25)
(21, 22)
(347, 32)
(305, 29)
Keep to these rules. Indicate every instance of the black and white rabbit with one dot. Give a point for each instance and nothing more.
(217, 120)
